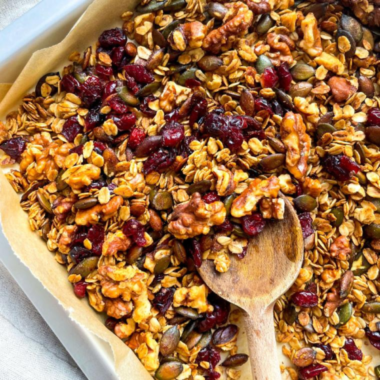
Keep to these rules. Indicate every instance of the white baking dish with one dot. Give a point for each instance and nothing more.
(44, 25)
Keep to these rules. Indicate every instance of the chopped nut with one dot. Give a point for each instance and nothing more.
(114, 243)
(79, 176)
(195, 297)
(341, 248)
(225, 180)
(272, 208)
(188, 36)
(311, 42)
(341, 88)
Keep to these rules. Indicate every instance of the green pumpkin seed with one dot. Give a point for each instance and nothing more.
(319, 10)
(155, 59)
(345, 313)
(217, 10)
(262, 63)
(152, 6)
(302, 71)
(205, 340)
(174, 5)
(283, 98)
(86, 266)
(133, 254)
(342, 37)
(179, 251)
(86, 203)
(170, 28)
(276, 144)
(265, 23)
(352, 26)
(247, 102)
(228, 202)
(45, 229)
(188, 74)
(127, 97)
(272, 162)
(32, 188)
(305, 203)
(44, 202)
(187, 312)
(290, 314)
(162, 201)
(162, 264)
(375, 201)
(373, 134)
(371, 307)
(368, 36)
(238, 231)
(324, 128)
(169, 341)
(169, 371)
(193, 339)
(209, 63)
(360, 265)
(301, 89)
(201, 187)
(339, 215)
(359, 148)
(235, 360)
(169, 359)
(377, 371)
(187, 330)
(149, 89)
(372, 231)
(362, 178)
(158, 38)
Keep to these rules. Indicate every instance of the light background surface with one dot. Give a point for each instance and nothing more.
(28, 348)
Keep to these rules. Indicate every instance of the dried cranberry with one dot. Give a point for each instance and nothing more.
(208, 323)
(269, 77)
(192, 83)
(304, 299)
(234, 138)
(136, 138)
(198, 111)
(117, 55)
(112, 37)
(262, 105)
(14, 147)
(92, 120)
(352, 351)
(373, 337)
(312, 287)
(96, 236)
(277, 109)
(163, 299)
(78, 150)
(172, 134)
(285, 77)
(132, 84)
(184, 149)
(103, 72)
(341, 167)
(136, 230)
(194, 248)
(172, 116)
(111, 187)
(71, 128)
(111, 323)
(79, 253)
(210, 197)
(69, 84)
(253, 224)
(80, 289)
(306, 224)
(311, 371)
(90, 91)
(226, 226)
(140, 73)
(110, 88)
(243, 254)
(221, 308)
(79, 237)
(117, 104)
(373, 116)
(215, 125)
(95, 185)
(329, 353)
(209, 355)
(124, 122)
(144, 106)
(159, 161)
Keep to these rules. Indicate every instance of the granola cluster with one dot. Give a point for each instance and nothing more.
(169, 141)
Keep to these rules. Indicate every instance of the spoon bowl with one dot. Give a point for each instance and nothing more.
(269, 269)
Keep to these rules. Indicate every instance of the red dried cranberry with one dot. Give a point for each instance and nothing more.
(95, 185)
(329, 353)
(210, 197)
(125, 122)
(101, 147)
(69, 84)
(373, 116)
(136, 138)
(352, 351)
(209, 355)
(172, 116)
(80, 289)
(132, 84)
(92, 120)
(312, 287)
(96, 236)
(306, 224)
(215, 125)
(277, 109)
(140, 73)
(117, 55)
(269, 78)
(253, 224)
(78, 149)
(311, 371)
(117, 104)
(304, 299)
(262, 105)
(184, 149)
(71, 128)
(373, 337)
(299, 189)
(79, 253)
(136, 230)
(195, 252)
(110, 88)
(79, 237)
(103, 72)
(198, 111)
(285, 77)
(192, 83)
(341, 167)
(208, 323)
(14, 147)
(226, 226)
(159, 161)
(221, 308)
(172, 134)
(111, 323)
(243, 254)
(90, 91)
(112, 37)
(111, 187)
(144, 106)
(163, 299)
(234, 138)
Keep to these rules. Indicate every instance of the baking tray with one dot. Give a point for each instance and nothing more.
(44, 25)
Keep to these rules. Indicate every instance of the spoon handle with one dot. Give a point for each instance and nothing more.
(262, 343)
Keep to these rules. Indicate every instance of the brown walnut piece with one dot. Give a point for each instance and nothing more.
(115, 242)
(341, 88)
(340, 248)
(188, 36)
(225, 180)
(247, 201)
(297, 143)
(195, 217)
(311, 42)
(82, 175)
(282, 44)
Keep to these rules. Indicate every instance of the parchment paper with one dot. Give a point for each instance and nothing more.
(29, 248)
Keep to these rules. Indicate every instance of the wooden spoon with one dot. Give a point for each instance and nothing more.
(254, 283)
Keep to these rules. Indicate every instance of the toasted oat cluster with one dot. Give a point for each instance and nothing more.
(168, 142)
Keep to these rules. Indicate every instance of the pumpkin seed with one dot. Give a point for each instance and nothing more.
(375, 201)
(174, 5)
(339, 215)
(169, 371)
(188, 74)
(262, 63)
(324, 128)
(305, 202)
(377, 371)
(247, 102)
(205, 340)
(217, 10)
(158, 38)
(265, 23)
(368, 36)
(133, 254)
(85, 203)
(44, 202)
(276, 144)
(302, 71)
(346, 43)
(152, 6)
(162, 201)
(228, 202)
(149, 89)
(319, 10)
(284, 98)
(352, 26)
(187, 330)
(155, 59)
(127, 97)
(201, 187)
(165, 32)
(366, 86)
(86, 266)
(162, 264)
(362, 178)
(372, 231)
(371, 307)
(179, 251)
(235, 360)
(272, 162)
(224, 335)
(238, 231)
(45, 229)
(209, 63)
(360, 265)
(301, 89)
(373, 134)
(345, 313)
(169, 341)
(193, 339)
(290, 314)
(168, 359)
(187, 312)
